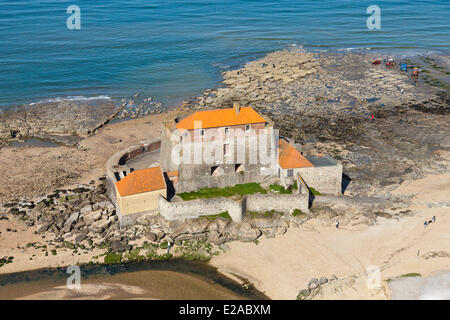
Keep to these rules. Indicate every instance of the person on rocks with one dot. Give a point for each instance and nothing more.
(169, 245)
(372, 117)
(337, 224)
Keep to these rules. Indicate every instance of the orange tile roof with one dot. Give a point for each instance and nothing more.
(140, 181)
(172, 173)
(289, 157)
(221, 118)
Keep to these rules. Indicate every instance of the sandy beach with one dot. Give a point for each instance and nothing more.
(54, 167)
(282, 266)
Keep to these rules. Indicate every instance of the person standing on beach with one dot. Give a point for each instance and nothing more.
(433, 219)
(425, 224)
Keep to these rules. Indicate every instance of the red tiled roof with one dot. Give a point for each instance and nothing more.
(289, 157)
(221, 118)
(140, 181)
(172, 173)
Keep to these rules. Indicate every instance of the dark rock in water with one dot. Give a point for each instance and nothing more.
(64, 121)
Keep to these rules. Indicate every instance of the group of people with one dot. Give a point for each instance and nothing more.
(426, 223)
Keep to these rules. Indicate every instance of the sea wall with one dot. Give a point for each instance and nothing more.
(285, 203)
(180, 210)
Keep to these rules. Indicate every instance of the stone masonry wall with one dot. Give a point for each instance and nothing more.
(285, 203)
(181, 210)
(326, 179)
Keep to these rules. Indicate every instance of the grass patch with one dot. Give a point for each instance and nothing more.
(113, 258)
(314, 191)
(267, 214)
(276, 188)
(224, 214)
(298, 212)
(164, 245)
(239, 189)
(411, 275)
(195, 250)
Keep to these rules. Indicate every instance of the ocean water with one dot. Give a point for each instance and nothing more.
(174, 49)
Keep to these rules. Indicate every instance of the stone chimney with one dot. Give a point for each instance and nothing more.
(236, 107)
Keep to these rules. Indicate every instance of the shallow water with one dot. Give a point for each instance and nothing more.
(175, 49)
(436, 287)
(150, 280)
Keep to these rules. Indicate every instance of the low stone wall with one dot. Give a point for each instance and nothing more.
(325, 179)
(285, 203)
(181, 210)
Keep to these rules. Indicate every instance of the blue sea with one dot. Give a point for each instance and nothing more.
(174, 49)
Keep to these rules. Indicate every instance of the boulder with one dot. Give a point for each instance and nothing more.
(245, 232)
(323, 280)
(99, 225)
(192, 227)
(222, 224)
(303, 294)
(263, 222)
(86, 209)
(216, 238)
(313, 283)
(281, 230)
(185, 236)
(92, 217)
(150, 220)
(80, 237)
(79, 225)
(70, 221)
(159, 234)
(118, 246)
(43, 227)
(100, 205)
(151, 236)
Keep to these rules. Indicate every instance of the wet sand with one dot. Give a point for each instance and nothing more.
(155, 280)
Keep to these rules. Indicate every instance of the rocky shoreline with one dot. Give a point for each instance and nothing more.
(324, 101)
(68, 121)
(83, 218)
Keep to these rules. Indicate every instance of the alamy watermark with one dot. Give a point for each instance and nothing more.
(373, 277)
(224, 145)
(374, 20)
(74, 280)
(73, 22)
